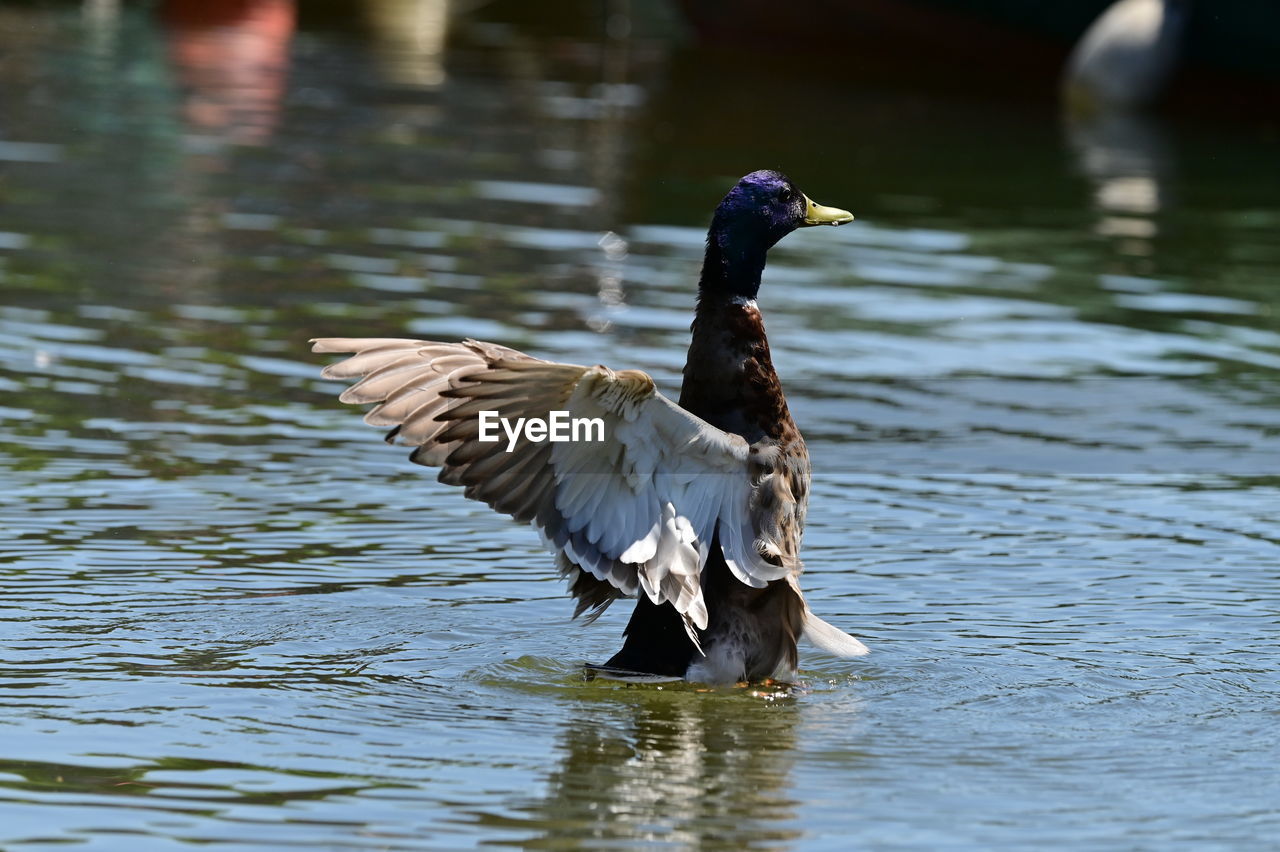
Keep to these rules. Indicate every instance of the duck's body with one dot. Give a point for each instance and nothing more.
(730, 383)
(696, 509)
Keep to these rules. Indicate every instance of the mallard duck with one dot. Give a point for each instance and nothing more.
(695, 508)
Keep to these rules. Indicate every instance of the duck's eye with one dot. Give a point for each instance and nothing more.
(784, 194)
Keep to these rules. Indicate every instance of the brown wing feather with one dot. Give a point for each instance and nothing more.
(431, 393)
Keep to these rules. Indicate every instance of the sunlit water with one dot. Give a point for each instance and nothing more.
(1038, 375)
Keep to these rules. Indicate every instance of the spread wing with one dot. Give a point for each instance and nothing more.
(637, 510)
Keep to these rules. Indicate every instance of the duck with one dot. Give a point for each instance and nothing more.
(694, 507)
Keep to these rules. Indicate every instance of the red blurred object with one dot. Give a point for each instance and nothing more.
(232, 60)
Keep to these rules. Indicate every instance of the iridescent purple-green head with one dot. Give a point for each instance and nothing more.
(761, 209)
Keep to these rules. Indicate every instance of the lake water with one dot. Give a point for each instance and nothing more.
(1039, 377)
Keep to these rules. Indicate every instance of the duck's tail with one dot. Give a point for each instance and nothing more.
(830, 638)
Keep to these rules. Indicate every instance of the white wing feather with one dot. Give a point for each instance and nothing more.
(639, 509)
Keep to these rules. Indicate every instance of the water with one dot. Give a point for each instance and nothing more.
(1039, 378)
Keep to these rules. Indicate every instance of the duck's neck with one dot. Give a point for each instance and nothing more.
(731, 267)
(729, 379)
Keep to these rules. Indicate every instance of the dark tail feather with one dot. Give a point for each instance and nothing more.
(593, 595)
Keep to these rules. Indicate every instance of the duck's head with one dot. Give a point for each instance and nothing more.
(761, 209)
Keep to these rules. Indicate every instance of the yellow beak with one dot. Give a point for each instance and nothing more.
(816, 214)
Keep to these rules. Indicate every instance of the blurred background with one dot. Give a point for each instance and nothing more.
(1038, 377)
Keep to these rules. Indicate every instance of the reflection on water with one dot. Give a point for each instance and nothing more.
(1126, 158)
(686, 768)
(1038, 379)
(410, 39)
(231, 60)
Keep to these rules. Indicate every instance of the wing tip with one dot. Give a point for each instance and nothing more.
(326, 344)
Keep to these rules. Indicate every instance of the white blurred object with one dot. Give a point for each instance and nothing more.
(1125, 58)
(411, 36)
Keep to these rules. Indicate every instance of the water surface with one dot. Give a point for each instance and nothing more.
(1038, 377)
